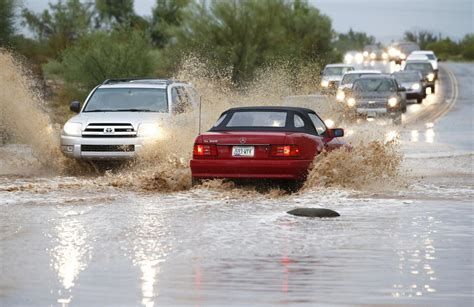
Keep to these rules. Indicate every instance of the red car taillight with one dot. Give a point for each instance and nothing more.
(205, 150)
(284, 151)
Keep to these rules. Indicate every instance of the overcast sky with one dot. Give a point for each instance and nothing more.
(385, 19)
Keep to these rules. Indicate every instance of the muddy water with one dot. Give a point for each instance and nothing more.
(129, 239)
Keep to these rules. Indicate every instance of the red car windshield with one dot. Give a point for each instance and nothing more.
(258, 119)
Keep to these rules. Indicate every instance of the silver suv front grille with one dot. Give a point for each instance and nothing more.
(109, 130)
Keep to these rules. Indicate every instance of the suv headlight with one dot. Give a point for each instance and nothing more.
(351, 102)
(151, 130)
(72, 129)
(430, 77)
(415, 86)
(325, 83)
(392, 102)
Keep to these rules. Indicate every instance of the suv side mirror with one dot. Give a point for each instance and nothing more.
(335, 133)
(402, 89)
(75, 106)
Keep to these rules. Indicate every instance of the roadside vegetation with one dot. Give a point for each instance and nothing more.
(77, 44)
(445, 48)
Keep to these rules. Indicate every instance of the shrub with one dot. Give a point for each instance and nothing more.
(99, 56)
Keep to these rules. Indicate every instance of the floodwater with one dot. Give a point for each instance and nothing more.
(78, 241)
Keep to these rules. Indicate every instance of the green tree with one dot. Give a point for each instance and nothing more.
(444, 48)
(7, 21)
(422, 38)
(166, 15)
(249, 34)
(61, 25)
(99, 56)
(353, 41)
(467, 47)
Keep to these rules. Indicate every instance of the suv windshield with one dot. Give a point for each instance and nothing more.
(336, 71)
(374, 85)
(424, 67)
(128, 99)
(411, 77)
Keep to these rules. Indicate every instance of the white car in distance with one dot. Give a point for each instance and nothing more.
(426, 55)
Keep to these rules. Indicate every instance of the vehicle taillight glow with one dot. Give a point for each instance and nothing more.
(284, 151)
(205, 150)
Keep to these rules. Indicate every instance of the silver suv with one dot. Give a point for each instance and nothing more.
(120, 115)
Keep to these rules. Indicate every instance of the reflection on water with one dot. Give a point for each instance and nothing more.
(150, 247)
(429, 136)
(416, 264)
(70, 255)
(149, 270)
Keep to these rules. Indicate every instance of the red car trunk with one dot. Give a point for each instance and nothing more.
(268, 159)
(261, 141)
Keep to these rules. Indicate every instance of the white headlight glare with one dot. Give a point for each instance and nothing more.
(72, 129)
(430, 77)
(329, 123)
(340, 95)
(324, 83)
(415, 86)
(149, 130)
(351, 102)
(392, 102)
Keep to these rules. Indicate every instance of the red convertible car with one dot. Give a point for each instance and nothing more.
(262, 143)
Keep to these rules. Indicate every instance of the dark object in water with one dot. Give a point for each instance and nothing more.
(313, 212)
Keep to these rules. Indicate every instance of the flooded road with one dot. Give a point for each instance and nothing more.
(78, 241)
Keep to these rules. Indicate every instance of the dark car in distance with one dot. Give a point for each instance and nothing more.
(377, 95)
(426, 70)
(413, 82)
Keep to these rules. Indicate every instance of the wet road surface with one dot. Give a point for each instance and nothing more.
(70, 241)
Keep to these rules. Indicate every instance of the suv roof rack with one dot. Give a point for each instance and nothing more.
(142, 80)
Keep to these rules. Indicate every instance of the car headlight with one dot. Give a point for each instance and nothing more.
(365, 53)
(384, 56)
(340, 95)
(329, 123)
(348, 58)
(392, 102)
(373, 56)
(434, 64)
(149, 130)
(415, 86)
(72, 129)
(430, 77)
(325, 83)
(393, 52)
(351, 102)
(403, 56)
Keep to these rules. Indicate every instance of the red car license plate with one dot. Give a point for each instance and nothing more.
(243, 151)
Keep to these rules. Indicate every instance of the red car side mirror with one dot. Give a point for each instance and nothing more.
(335, 133)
